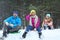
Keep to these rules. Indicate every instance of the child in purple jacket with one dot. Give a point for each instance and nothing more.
(34, 22)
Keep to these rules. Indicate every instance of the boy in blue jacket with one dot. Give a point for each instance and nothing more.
(12, 24)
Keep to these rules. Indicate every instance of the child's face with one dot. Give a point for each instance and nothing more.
(47, 17)
(15, 15)
(33, 14)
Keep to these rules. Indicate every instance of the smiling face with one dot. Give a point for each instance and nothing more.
(47, 17)
(15, 14)
(33, 14)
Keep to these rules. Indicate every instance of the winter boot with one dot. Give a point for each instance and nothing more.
(4, 34)
(40, 35)
(24, 35)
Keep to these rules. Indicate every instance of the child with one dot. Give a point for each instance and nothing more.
(12, 24)
(34, 22)
(47, 22)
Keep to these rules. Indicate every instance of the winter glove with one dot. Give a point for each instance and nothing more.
(7, 23)
(11, 25)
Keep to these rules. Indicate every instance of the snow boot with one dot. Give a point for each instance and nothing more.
(4, 34)
(40, 35)
(24, 35)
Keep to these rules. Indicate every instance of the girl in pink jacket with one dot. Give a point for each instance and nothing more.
(34, 22)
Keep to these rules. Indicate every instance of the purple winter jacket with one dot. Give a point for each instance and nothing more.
(38, 22)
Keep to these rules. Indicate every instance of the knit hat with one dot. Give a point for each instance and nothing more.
(16, 12)
(48, 15)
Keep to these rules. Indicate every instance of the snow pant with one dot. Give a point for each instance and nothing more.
(8, 29)
(32, 28)
(46, 26)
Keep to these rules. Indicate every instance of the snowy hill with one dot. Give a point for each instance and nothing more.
(33, 35)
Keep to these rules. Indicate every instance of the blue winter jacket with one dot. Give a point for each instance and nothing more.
(14, 20)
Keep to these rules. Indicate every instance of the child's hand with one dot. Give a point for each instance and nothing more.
(34, 29)
(11, 25)
(7, 23)
(30, 14)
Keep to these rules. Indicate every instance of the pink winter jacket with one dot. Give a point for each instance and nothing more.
(38, 22)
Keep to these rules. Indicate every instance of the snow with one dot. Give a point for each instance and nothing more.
(33, 35)
(1, 33)
(51, 34)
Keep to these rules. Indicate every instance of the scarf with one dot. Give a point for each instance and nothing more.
(35, 20)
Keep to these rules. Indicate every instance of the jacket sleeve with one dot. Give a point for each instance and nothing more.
(38, 23)
(7, 20)
(28, 17)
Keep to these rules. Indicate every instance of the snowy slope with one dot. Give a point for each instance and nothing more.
(33, 35)
(51, 34)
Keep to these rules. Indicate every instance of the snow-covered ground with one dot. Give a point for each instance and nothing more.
(33, 35)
